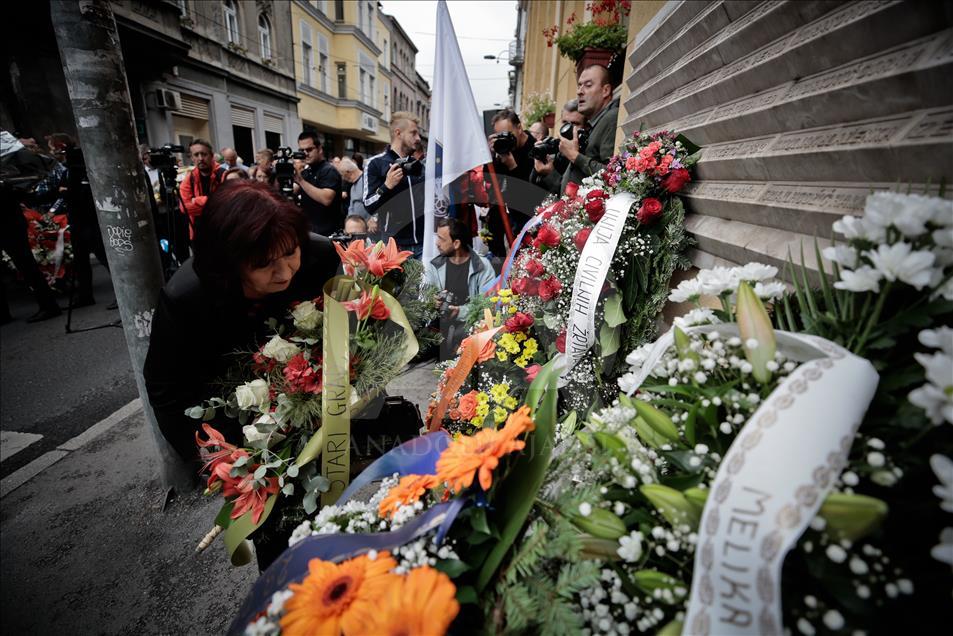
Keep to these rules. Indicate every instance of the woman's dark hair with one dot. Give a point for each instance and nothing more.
(239, 171)
(244, 223)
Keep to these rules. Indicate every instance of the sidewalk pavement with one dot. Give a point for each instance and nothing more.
(86, 547)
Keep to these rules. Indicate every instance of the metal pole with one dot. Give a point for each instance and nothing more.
(96, 82)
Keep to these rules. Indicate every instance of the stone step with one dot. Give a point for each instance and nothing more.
(726, 40)
(666, 25)
(914, 75)
(832, 40)
(744, 243)
(807, 209)
(910, 148)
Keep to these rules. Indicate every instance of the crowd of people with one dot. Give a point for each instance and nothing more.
(380, 197)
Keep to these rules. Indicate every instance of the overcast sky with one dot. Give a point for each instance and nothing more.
(483, 28)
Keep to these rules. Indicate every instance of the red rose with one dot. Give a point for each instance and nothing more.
(581, 237)
(518, 322)
(651, 209)
(548, 236)
(595, 208)
(549, 288)
(532, 371)
(534, 267)
(676, 180)
(554, 208)
(526, 286)
(572, 189)
(561, 342)
(596, 194)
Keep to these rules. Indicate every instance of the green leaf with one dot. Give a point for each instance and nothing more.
(452, 567)
(224, 518)
(196, 412)
(608, 340)
(659, 421)
(527, 473)
(261, 471)
(467, 595)
(478, 521)
(614, 316)
(241, 528)
(288, 489)
(293, 471)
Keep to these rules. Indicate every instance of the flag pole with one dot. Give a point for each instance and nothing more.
(504, 213)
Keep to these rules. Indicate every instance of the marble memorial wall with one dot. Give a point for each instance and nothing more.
(802, 107)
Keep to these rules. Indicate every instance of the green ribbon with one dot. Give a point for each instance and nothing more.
(337, 399)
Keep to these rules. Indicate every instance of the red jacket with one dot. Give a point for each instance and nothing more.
(191, 194)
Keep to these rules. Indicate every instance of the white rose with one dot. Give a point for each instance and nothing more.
(279, 349)
(252, 394)
(306, 316)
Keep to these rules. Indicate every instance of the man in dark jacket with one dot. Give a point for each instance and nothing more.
(321, 187)
(594, 93)
(513, 167)
(396, 195)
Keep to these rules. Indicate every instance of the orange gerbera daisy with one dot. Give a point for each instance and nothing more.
(423, 604)
(407, 491)
(471, 454)
(336, 598)
(518, 423)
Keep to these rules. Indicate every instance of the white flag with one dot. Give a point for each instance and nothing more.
(457, 143)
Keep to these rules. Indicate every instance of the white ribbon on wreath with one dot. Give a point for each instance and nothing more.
(772, 481)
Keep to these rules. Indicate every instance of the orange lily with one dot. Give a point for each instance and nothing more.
(354, 257)
(250, 496)
(383, 259)
(366, 306)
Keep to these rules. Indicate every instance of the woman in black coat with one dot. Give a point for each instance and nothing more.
(253, 256)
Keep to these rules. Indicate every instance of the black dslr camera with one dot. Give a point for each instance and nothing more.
(542, 149)
(583, 135)
(411, 167)
(345, 239)
(504, 143)
(285, 169)
(163, 158)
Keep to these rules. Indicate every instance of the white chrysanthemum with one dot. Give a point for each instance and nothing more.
(769, 290)
(934, 401)
(943, 237)
(279, 349)
(943, 468)
(900, 262)
(686, 290)
(755, 272)
(909, 213)
(940, 338)
(944, 550)
(638, 357)
(843, 255)
(853, 227)
(718, 280)
(860, 280)
(696, 317)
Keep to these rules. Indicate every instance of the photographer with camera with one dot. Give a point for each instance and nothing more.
(594, 93)
(320, 184)
(511, 147)
(394, 185)
(459, 273)
(201, 181)
(548, 165)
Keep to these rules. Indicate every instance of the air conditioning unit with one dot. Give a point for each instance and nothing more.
(168, 100)
(368, 122)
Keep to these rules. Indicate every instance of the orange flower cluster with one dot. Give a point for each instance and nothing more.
(377, 259)
(364, 596)
(465, 457)
(479, 454)
(407, 491)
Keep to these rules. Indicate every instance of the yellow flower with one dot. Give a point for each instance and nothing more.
(499, 414)
(501, 355)
(520, 336)
(510, 402)
(495, 299)
(506, 293)
(498, 392)
(521, 362)
(512, 309)
(505, 300)
(530, 347)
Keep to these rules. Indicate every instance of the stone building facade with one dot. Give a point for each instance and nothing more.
(802, 109)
